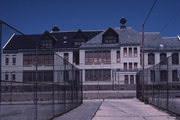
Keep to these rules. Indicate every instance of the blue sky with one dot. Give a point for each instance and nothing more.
(36, 16)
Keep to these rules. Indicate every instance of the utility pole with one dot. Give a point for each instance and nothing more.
(142, 47)
(142, 60)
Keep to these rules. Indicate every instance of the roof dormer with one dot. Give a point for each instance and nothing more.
(110, 36)
(79, 38)
(47, 40)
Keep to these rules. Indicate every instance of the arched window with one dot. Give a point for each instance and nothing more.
(163, 58)
(163, 75)
(151, 59)
(175, 58)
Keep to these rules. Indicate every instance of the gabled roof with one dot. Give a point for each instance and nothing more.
(19, 42)
(128, 36)
(110, 31)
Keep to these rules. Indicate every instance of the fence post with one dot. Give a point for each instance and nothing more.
(36, 84)
(167, 84)
(53, 96)
(0, 57)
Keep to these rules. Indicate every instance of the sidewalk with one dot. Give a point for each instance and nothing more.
(84, 112)
(115, 109)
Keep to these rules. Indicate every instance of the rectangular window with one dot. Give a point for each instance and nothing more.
(66, 75)
(130, 52)
(76, 57)
(14, 61)
(6, 76)
(130, 66)
(175, 58)
(29, 59)
(98, 75)
(175, 76)
(163, 75)
(106, 75)
(66, 58)
(125, 66)
(131, 79)
(48, 59)
(125, 52)
(126, 79)
(97, 57)
(152, 76)
(135, 51)
(7, 61)
(106, 57)
(151, 59)
(118, 56)
(42, 76)
(41, 59)
(13, 76)
(135, 65)
(88, 57)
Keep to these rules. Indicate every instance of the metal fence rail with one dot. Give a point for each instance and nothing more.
(162, 85)
(43, 86)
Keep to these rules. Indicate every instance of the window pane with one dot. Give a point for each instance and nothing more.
(163, 75)
(118, 56)
(98, 75)
(7, 61)
(131, 79)
(175, 58)
(175, 75)
(135, 65)
(125, 65)
(163, 59)
(66, 58)
(110, 39)
(126, 79)
(130, 65)
(135, 51)
(152, 76)
(125, 51)
(97, 57)
(130, 51)
(14, 61)
(151, 59)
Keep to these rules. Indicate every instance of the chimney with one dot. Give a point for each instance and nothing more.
(123, 22)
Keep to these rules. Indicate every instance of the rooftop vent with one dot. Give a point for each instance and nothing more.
(123, 22)
(55, 29)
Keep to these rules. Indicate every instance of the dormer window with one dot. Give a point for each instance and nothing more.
(79, 38)
(110, 37)
(65, 41)
(47, 43)
(79, 41)
(47, 40)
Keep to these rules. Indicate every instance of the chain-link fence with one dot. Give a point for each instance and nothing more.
(161, 84)
(36, 84)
